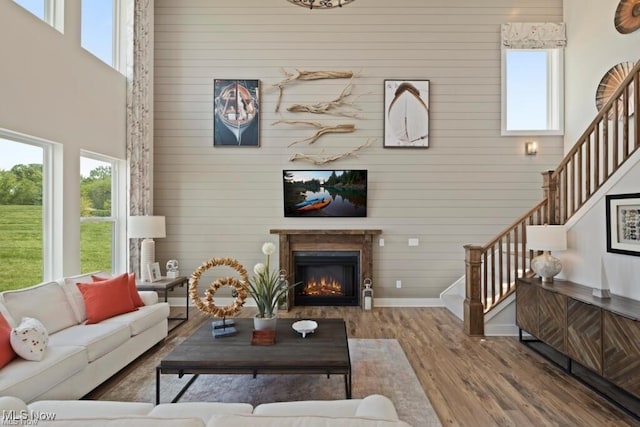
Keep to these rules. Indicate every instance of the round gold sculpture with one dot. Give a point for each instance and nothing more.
(208, 304)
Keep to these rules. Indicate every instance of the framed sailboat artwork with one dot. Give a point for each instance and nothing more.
(406, 113)
(236, 113)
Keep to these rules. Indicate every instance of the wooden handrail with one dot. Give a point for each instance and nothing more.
(540, 205)
(600, 151)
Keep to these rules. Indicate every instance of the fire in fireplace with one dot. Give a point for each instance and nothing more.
(323, 287)
(327, 277)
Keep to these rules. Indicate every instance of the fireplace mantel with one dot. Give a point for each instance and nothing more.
(327, 240)
(326, 232)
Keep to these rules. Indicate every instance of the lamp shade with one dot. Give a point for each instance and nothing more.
(546, 237)
(143, 227)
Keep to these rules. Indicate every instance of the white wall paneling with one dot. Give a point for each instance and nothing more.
(466, 187)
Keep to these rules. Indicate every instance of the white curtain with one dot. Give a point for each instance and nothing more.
(532, 35)
(139, 72)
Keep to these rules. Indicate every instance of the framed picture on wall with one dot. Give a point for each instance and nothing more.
(623, 224)
(236, 113)
(406, 113)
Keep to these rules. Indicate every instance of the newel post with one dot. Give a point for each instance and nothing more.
(473, 307)
(550, 188)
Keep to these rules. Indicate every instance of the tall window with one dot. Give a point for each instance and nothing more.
(532, 96)
(98, 28)
(97, 216)
(34, 6)
(532, 79)
(50, 11)
(22, 214)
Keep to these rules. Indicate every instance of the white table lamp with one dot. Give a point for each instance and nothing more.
(147, 228)
(546, 238)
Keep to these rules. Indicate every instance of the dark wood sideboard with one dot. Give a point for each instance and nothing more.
(596, 340)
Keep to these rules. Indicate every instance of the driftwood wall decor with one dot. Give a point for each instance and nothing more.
(308, 75)
(340, 106)
(334, 107)
(321, 160)
(322, 129)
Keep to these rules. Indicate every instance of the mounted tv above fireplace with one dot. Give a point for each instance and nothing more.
(325, 193)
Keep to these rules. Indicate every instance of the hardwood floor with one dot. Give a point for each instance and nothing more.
(493, 381)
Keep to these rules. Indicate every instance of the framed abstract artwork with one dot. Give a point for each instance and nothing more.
(236, 113)
(406, 113)
(623, 224)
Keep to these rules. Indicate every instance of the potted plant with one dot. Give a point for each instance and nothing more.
(267, 289)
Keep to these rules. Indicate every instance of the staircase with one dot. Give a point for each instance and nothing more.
(491, 270)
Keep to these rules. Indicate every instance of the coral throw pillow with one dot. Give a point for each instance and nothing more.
(135, 296)
(7, 354)
(106, 298)
(29, 339)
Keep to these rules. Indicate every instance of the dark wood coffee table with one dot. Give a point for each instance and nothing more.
(326, 352)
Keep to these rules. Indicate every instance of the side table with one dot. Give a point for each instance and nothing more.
(165, 285)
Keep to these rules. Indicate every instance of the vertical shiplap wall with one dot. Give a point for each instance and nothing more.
(467, 186)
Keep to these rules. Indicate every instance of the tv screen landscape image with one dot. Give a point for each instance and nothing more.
(325, 193)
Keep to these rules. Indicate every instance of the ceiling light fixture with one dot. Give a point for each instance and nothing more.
(321, 4)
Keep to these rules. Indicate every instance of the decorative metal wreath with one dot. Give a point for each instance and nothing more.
(208, 304)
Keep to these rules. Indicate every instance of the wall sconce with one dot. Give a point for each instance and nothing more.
(531, 148)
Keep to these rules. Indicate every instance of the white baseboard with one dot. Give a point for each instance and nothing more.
(408, 302)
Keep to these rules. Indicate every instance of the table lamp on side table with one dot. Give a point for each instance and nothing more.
(147, 228)
(546, 238)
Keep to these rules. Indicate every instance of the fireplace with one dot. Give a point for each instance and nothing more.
(326, 277)
(337, 247)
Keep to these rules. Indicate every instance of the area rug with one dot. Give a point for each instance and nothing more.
(379, 367)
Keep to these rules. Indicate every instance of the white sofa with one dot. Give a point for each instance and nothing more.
(79, 357)
(372, 411)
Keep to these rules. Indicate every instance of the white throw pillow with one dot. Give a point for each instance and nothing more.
(29, 339)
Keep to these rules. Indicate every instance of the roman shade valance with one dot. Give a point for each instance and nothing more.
(532, 35)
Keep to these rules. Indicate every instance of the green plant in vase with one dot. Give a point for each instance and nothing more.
(267, 289)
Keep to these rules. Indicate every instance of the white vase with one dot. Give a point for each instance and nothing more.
(265, 323)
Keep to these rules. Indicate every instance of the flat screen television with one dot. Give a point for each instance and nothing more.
(325, 193)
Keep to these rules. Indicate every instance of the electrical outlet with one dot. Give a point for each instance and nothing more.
(398, 284)
(414, 242)
(381, 242)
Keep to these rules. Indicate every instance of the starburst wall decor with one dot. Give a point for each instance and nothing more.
(321, 4)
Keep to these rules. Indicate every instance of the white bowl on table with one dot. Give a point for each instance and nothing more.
(305, 327)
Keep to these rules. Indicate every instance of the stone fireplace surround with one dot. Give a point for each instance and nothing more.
(360, 240)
